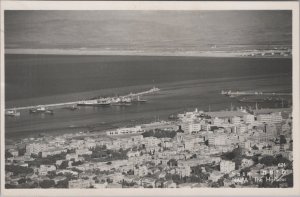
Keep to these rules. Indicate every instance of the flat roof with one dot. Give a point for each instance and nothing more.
(270, 110)
(224, 114)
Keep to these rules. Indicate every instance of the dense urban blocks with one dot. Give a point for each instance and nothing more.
(197, 149)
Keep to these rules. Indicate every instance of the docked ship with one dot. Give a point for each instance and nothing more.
(41, 109)
(139, 100)
(154, 89)
(12, 113)
(73, 107)
(121, 101)
(95, 103)
(87, 103)
(38, 109)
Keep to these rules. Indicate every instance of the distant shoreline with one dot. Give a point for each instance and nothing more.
(246, 53)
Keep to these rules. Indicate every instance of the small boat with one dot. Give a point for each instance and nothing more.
(73, 107)
(48, 111)
(32, 110)
(12, 113)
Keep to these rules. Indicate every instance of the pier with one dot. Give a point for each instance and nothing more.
(242, 93)
(66, 104)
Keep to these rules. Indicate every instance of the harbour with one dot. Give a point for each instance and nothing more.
(197, 85)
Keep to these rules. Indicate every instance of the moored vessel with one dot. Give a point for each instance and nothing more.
(12, 113)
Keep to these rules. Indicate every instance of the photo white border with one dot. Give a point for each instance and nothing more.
(156, 5)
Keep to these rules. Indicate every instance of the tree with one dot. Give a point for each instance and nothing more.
(254, 147)
(160, 134)
(176, 178)
(62, 184)
(290, 180)
(235, 155)
(17, 170)
(282, 139)
(180, 130)
(280, 159)
(77, 163)
(232, 186)
(255, 159)
(215, 184)
(22, 151)
(130, 172)
(71, 151)
(267, 160)
(220, 182)
(51, 174)
(34, 155)
(8, 154)
(47, 183)
(206, 142)
(172, 162)
(64, 165)
(21, 181)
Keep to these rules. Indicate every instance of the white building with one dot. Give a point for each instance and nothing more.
(227, 166)
(205, 127)
(44, 169)
(140, 171)
(270, 118)
(124, 131)
(35, 148)
(217, 121)
(189, 145)
(235, 120)
(190, 127)
(84, 151)
(242, 129)
(183, 171)
(217, 140)
(248, 118)
(133, 154)
(80, 183)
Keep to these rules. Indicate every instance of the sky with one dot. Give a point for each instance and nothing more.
(144, 30)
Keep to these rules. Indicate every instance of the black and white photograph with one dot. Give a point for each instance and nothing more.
(161, 99)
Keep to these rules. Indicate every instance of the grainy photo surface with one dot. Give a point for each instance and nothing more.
(148, 99)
